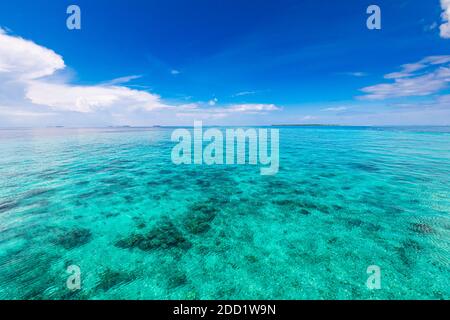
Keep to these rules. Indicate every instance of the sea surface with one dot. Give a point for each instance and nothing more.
(139, 227)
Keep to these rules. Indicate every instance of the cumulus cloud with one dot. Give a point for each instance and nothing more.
(90, 98)
(27, 66)
(445, 26)
(21, 59)
(427, 76)
(30, 87)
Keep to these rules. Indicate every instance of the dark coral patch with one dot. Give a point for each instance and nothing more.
(422, 228)
(165, 235)
(110, 279)
(73, 238)
(309, 205)
(176, 279)
(128, 198)
(198, 219)
(364, 167)
(196, 227)
(304, 207)
(352, 223)
(251, 258)
(305, 212)
(111, 214)
(130, 242)
(412, 245)
(153, 183)
(203, 183)
(408, 252)
(284, 202)
(141, 225)
(371, 227)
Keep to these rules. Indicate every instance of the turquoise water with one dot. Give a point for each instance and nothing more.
(139, 227)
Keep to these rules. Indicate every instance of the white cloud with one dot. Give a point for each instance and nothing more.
(21, 59)
(253, 108)
(174, 72)
(122, 80)
(244, 93)
(24, 64)
(434, 60)
(194, 110)
(428, 76)
(90, 98)
(212, 102)
(445, 26)
(6, 111)
(31, 86)
(335, 109)
(407, 71)
(357, 74)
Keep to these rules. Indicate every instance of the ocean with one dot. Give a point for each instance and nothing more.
(111, 202)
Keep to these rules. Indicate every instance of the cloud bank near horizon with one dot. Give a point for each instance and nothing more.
(32, 86)
(35, 90)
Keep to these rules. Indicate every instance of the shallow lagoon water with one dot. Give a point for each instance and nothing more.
(140, 227)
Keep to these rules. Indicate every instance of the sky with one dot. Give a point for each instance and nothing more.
(224, 62)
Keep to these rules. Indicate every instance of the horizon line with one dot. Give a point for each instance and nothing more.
(191, 126)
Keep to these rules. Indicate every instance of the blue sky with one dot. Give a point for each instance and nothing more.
(224, 62)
